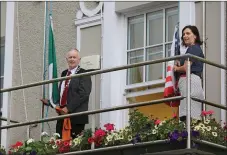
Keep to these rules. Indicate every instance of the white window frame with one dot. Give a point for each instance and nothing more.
(8, 68)
(144, 12)
(85, 23)
(2, 76)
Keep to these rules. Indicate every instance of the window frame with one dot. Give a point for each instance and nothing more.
(164, 43)
(2, 76)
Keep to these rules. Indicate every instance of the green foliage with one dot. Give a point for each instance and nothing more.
(140, 129)
(137, 121)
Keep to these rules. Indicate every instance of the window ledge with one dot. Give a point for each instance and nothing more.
(88, 20)
(144, 84)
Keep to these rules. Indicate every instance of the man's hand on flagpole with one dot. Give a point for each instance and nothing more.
(58, 110)
(61, 111)
(45, 101)
(65, 110)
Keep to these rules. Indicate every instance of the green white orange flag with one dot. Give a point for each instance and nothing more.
(53, 87)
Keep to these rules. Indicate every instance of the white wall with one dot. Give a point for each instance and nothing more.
(114, 54)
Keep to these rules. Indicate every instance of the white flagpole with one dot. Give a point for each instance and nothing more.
(44, 62)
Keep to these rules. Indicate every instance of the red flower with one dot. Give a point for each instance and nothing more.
(225, 138)
(66, 143)
(225, 127)
(210, 112)
(9, 152)
(109, 127)
(157, 122)
(100, 132)
(18, 144)
(90, 140)
(174, 115)
(64, 149)
(58, 142)
(204, 113)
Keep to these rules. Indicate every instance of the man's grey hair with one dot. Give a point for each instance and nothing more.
(73, 49)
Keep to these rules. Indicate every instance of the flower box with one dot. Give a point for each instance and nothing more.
(143, 135)
(157, 149)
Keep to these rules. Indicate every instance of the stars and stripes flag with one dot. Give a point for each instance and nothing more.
(170, 89)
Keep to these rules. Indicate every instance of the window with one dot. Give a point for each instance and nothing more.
(149, 38)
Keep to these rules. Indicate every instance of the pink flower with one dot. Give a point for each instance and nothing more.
(157, 122)
(66, 143)
(225, 127)
(90, 140)
(58, 142)
(100, 133)
(109, 127)
(18, 144)
(174, 115)
(225, 138)
(210, 112)
(204, 113)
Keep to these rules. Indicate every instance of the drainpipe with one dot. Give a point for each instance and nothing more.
(223, 56)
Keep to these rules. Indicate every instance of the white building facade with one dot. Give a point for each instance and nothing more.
(120, 33)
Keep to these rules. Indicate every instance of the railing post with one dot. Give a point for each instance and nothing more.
(8, 118)
(93, 99)
(188, 114)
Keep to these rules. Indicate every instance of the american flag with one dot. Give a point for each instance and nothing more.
(171, 77)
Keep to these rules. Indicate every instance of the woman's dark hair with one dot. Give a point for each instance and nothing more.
(195, 31)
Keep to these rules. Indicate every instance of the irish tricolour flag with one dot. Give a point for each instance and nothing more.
(53, 87)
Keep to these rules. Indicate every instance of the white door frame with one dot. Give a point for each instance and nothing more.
(8, 69)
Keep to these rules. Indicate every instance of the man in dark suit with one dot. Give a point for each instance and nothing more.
(74, 95)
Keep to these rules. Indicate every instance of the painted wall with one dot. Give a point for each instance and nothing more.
(213, 50)
(31, 36)
(213, 53)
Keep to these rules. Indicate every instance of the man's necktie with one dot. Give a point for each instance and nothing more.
(65, 91)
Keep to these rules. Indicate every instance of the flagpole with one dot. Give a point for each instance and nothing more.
(49, 22)
(44, 60)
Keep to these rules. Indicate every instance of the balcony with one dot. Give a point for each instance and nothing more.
(142, 136)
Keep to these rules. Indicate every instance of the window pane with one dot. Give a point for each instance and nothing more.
(154, 71)
(168, 49)
(1, 83)
(135, 75)
(155, 28)
(135, 32)
(171, 21)
(167, 53)
(2, 60)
